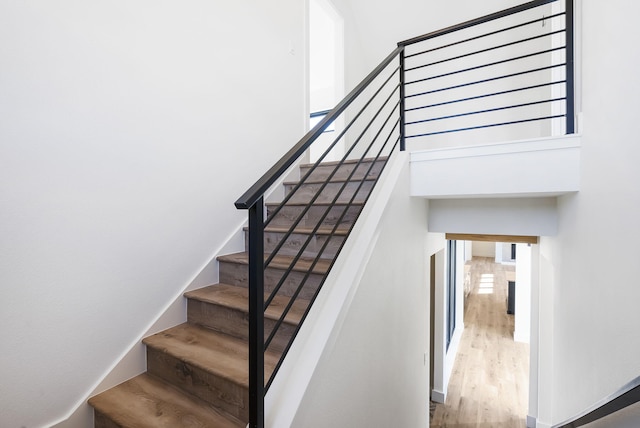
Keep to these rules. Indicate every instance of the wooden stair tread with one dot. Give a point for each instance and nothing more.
(332, 180)
(282, 262)
(216, 353)
(320, 204)
(238, 298)
(148, 402)
(340, 231)
(346, 162)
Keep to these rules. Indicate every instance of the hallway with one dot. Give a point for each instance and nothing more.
(489, 383)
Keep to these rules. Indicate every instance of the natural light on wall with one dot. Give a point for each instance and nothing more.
(486, 284)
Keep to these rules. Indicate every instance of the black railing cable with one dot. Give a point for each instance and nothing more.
(312, 300)
(478, 67)
(473, 22)
(307, 207)
(255, 192)
(466, 55)
(325, 154)
(492, 33)
(319, 223)
(493, 94)
(477, 82)
(332, 234)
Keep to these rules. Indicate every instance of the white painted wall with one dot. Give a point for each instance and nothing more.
(506, 216)
(593, 260)
(444, 358)
(527, 168)
(522, 324)
(128, 130)
(484, 249)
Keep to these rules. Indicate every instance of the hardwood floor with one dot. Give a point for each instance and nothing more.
(489, 383)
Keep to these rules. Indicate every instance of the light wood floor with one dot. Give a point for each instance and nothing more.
(489, 383)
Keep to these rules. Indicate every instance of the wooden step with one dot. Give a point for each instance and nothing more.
(300, 240)
(327, 193)
(208, 364)
(234, 270)
(332, 214)
(225, 308)
(342, 172)
(148, 402)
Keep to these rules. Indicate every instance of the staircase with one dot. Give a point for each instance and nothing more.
(197, 372)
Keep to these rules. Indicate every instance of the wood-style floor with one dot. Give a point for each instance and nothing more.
(489, 383)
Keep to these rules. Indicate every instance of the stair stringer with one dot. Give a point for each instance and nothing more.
(317, 334)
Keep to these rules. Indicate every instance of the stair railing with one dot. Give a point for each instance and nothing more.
(516, 63)
(626, 396)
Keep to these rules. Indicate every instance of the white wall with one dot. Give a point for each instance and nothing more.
(372, 369)
(445, 357)
(593, 260)
(506, 216)
(522, 327)
(484, 249)
(128, 130)
(526, 168)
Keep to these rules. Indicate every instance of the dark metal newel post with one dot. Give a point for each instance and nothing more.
(402, 121)
(256, 314)
(570, 67)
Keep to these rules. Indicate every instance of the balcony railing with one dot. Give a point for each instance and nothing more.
(508, 75)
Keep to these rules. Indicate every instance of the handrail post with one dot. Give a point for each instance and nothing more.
(256, 314)
(402, 119)
(569, 26)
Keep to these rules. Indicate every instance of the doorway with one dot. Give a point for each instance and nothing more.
(478, 383)
(326, 71)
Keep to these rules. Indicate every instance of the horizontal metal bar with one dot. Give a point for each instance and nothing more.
(477, 21)
(313, 298)
(492, 33)
(256, 191)
(319, 113)
(487, 65)
(322, 187)
(485, 126)
(328, 150)
(491, 79)
(490, 110)
(528, 39)
(493, 94)
(335, 227)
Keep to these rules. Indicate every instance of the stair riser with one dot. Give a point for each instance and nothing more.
(217, 391)
(324, 171)
(289, 214)
(238, 274)
(234, 322)
(307, 192)
(296, 241)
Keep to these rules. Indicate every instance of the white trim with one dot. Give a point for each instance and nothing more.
(438, 396)
(519, 146)
(531, 422)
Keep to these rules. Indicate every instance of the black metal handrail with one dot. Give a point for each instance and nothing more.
(255, 192)
(626, 396)
(374, 120)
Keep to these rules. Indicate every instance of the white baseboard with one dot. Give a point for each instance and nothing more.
(438, 396)
(531, 422)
